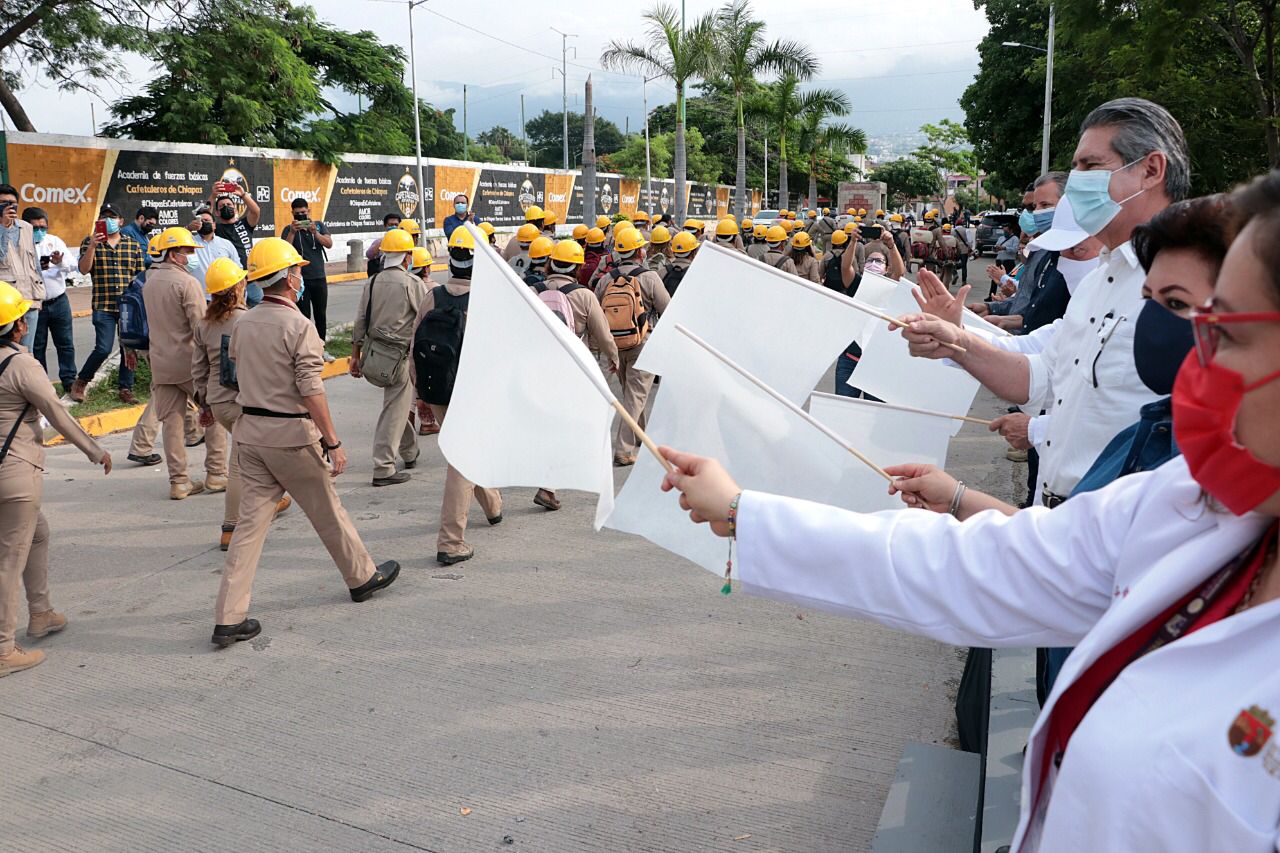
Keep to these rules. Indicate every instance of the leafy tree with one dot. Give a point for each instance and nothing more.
(508, 143)
(546, 138)
(677, 53)
(946, 152)
(74, 44)
(481, 153)
(818, 138)
(779, 106)
(629, 160)
(907, 179)
(742, 55)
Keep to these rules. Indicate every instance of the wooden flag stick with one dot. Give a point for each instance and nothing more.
(893, 321)
(911, 409)
(821, 427)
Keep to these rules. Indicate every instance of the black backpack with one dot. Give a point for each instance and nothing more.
(437, 346)
(672, 277)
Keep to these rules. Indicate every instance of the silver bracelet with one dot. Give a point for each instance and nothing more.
(961, 488)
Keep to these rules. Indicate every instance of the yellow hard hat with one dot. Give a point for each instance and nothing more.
(541, 248)
(726, 228)
(696, 225)
(849, 227)
(801, 240)
(223, 274)
(549, 217)
(788, 226)
(850, 212)
(760, 230)
(12, 305)
(487, 228)
(580, 231)
(411, 226)
(629, 239)
(825, 211)
(895, 217)
(783, 213)
(930, 214)
(152, 251)
(857, 219)
(862, 211)
(839, 238)
(946, 227)
(603, 222)
(660, 236)
(568, 252)
(174, 237)
(397, 240)
(421, 258)
(527, 232)
(595, 237)
(879, 212)
(813, 214)
(640, 216)
(683, 243)
(270, 255)
(461, 239)
(775, 234)
(747, 224)
(533, 212)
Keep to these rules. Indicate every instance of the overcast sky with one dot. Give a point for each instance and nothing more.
(901, 67)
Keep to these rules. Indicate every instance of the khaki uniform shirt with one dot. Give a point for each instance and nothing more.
(206, 362)
(652, 291)
(657, 262)
(397, 296)
(512, 248)
(589, 322)
(24, 382)
(20, 268)
(278, 357)
(175, 303)
(780, 261)
(807, 266)
(757, 250)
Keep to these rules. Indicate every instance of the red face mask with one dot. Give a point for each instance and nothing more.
(1205, 403)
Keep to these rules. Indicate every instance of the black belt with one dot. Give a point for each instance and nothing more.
(1051, 500)
(267, 413)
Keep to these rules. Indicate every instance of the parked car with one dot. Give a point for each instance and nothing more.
(765, 217)
(988, 232)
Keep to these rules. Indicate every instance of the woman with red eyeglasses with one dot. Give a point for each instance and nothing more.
(1163, 730)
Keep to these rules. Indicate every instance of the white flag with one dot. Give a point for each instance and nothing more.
(711, 409)
(887, 369)
(784, 330)
(530, 406)
(889, 436)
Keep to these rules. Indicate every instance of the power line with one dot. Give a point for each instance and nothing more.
(896, 76)
(973, 41)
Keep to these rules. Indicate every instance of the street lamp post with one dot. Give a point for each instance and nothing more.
(564, 85)
(417, 127)
(648, 173)
(1048, 89)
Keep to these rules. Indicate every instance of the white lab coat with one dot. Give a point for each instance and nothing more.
(1150, 767)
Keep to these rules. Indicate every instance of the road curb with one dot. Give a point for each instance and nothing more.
(118, 420)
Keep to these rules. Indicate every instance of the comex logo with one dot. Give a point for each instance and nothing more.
(55, 195)
(310, 196)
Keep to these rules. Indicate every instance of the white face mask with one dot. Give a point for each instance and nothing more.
(1075, 271)
(876, 265)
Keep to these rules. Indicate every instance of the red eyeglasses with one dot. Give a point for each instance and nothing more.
(1206, 323)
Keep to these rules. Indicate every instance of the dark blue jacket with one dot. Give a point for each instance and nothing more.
(454, 220)
(1144, 446)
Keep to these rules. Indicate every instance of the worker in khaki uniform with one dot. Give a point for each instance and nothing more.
(215, 388)
(806, 263)
(25, 395)
(659, 254)
(643, 224)
(175, 303)
(728, 236)
(758, 245)
(385, 320)
(775, 254)
(532, 227)
(451, 542)
(282, 439)
(630, 337)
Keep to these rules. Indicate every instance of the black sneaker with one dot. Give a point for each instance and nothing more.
(449, 559)
(226, 635)
(150, 459)
(385, 575)
(394, 480)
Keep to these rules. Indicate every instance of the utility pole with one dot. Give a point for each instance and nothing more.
(417, 127)
(564, 85)
(524, 136)
(464, 121)
(1048, 98)
(764, 200)
(648, 169)
(588, 156)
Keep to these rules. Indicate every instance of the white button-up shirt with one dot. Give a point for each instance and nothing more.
(55, 276)
(1086, 375)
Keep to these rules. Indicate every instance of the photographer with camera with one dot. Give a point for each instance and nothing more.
(311, 239)
(55, 314)
(237, 231)
(18, 264)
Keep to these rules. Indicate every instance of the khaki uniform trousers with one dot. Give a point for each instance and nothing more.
(266, 473)
(395, 433)
(172, 404)
(458, 491)
(636, 385)
(148, 429)
(226, 415)
(24, 546)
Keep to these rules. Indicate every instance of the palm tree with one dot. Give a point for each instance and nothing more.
(817, 136)
(673, 51)
(779, 106)
(742, 55)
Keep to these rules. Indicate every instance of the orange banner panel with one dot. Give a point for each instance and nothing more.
(65, 182)
(451, 180)
(306, 179)
(559, 189)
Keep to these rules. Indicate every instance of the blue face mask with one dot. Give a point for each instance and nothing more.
(460, 209)
(1027, 222)
(38, 234)
(1161, 341)
(1090, 196)
(113, 226)
(1043, 220)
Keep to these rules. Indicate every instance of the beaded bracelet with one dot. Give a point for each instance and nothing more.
(733, 534)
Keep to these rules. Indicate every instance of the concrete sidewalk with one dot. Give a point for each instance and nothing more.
(566, 690)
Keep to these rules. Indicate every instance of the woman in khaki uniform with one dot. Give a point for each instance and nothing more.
(224, 281)
(25, 395)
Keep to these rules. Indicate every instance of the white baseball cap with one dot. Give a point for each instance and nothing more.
(1065, 233)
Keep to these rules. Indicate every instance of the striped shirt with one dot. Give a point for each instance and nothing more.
(113, 268)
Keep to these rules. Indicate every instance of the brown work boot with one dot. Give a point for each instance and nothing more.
(214, 484)
(547, 499)
(77, 390)
(126, 396)
(225, 542)
(48, 622)
(182, 491)
(19, 659)
(281, 505)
